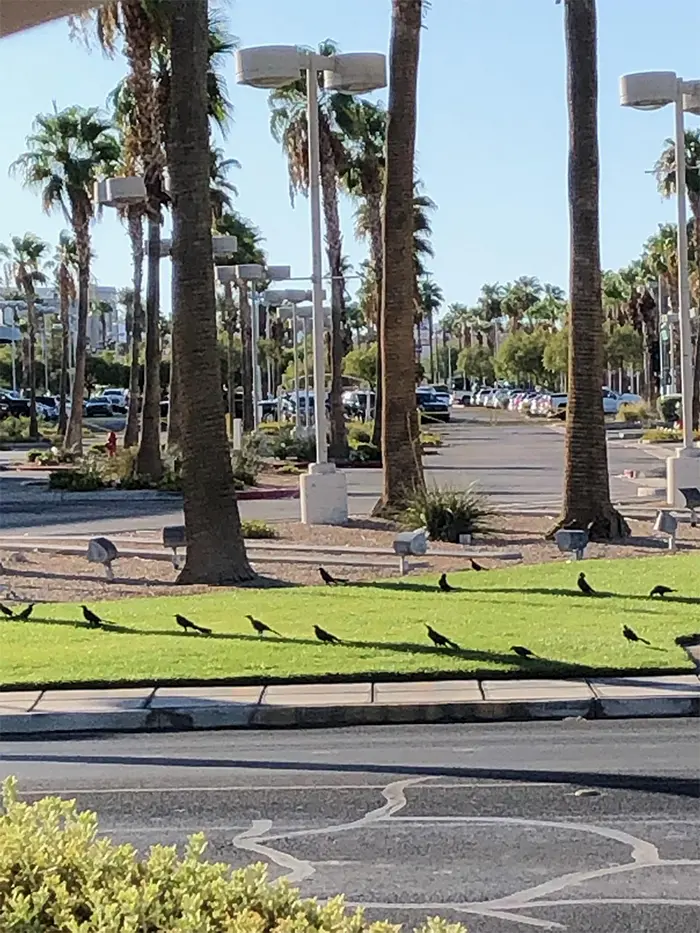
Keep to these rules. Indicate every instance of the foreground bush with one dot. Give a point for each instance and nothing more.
(256, 528)
(14, 429)
(448, 513)
(632, 412)
(57, 876)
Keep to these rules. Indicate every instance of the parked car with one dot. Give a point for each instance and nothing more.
(98, 407)
(118, 397)
(16, 407)
(359, 404)
(430, 405)
(442, 392)
(613, 400)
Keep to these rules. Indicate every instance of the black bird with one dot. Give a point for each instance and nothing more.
(631, 635)
(328, 579)
(91, 617)
(661, 590)
(186, 624)
(474, 565)
(6, 611)
(325, 636)
(685, 641)
(584, 585)
(444, 585)
(260, 627)
(25, 613)
(440, 640)
(522, 651)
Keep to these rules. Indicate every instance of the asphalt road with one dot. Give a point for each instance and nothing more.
(520, 464)
(483, 824)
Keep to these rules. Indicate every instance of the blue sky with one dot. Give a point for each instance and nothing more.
(492, 135)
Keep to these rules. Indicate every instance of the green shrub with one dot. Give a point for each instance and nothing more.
(359, 433)
(247, 462)
(430, 440)
(634, 412)
(33, 455)
(670, 408)
(666, 435)
(364, 453)
(14, 429)
(57, 874)
(448, 513)
(51, 457)
(288, 447)
(76, 480)
(255, 528)
(289, 469)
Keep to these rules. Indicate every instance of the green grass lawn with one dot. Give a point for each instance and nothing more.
(381, 625)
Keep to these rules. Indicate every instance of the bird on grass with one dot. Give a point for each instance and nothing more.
(631, 635)
(444, 585)
(584, 585)
(685, 641)
(440, 640)
(187, 624)
(661, 591)
(25, 613)
(523, 652)
(328, 579)
(260, 627)
(6, 611)
(475, 565)
(326, 637)
(93, 620)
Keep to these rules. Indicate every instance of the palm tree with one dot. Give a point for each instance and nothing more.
(65, 264)
(665, 170)
(221, 190)
(586, 484)
(66, 154)
(431, 299)
(401, 455)
(26, 257)
(520, 296)
(288, 125)
(215, 547)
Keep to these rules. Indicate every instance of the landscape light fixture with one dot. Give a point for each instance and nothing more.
(652, 90)
(323, 491)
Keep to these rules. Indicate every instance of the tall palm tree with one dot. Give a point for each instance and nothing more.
(221, 190)
(215, 547)
(65, 263)
(401, 454)
(66, 154)
(27, 256)
(665, 170)
(431, 299)
(249, 250)
(288, 125)
(586, 484)
(520, 296)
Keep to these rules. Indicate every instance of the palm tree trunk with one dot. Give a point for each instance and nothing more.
(695, 204)
(174, 399)
(135, 222)
(338, 448)
(31, 333)
(587, 502)
(148, 460)
(74, 431)
(65, 356)
(401, 453)
(246, 360)
(376, 245)
(215, 547)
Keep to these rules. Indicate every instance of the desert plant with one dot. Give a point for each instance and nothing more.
(255, 528)
(634, 412)
(14, 429)
(430, 440)
(666, 435)
(286, 446)
(364, 453)
(60, 875)
(448, 513)
(360, 433)
(79, 480)
(247, 462)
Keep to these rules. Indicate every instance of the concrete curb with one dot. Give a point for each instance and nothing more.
(180, 716)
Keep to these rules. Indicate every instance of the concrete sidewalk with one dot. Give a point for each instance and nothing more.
(155, 709)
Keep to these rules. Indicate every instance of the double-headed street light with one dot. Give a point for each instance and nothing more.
(651, 90)
(324, 498)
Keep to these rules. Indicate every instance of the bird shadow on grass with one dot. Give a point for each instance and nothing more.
(535, 664)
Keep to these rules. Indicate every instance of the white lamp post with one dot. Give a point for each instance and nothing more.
(323, 491)
(287, 301)
(651, 90)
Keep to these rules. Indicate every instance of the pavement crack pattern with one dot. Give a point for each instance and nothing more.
(644, 854)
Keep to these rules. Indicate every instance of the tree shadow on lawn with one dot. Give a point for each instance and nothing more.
(257, 583)
(521, 591)
(538, 665)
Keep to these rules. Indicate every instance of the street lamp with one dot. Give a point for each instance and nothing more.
(284, 300)
(324, 498)
(651, 90)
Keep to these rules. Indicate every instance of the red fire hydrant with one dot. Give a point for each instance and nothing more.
(111, 444)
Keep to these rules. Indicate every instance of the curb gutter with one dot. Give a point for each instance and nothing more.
(173, 709)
